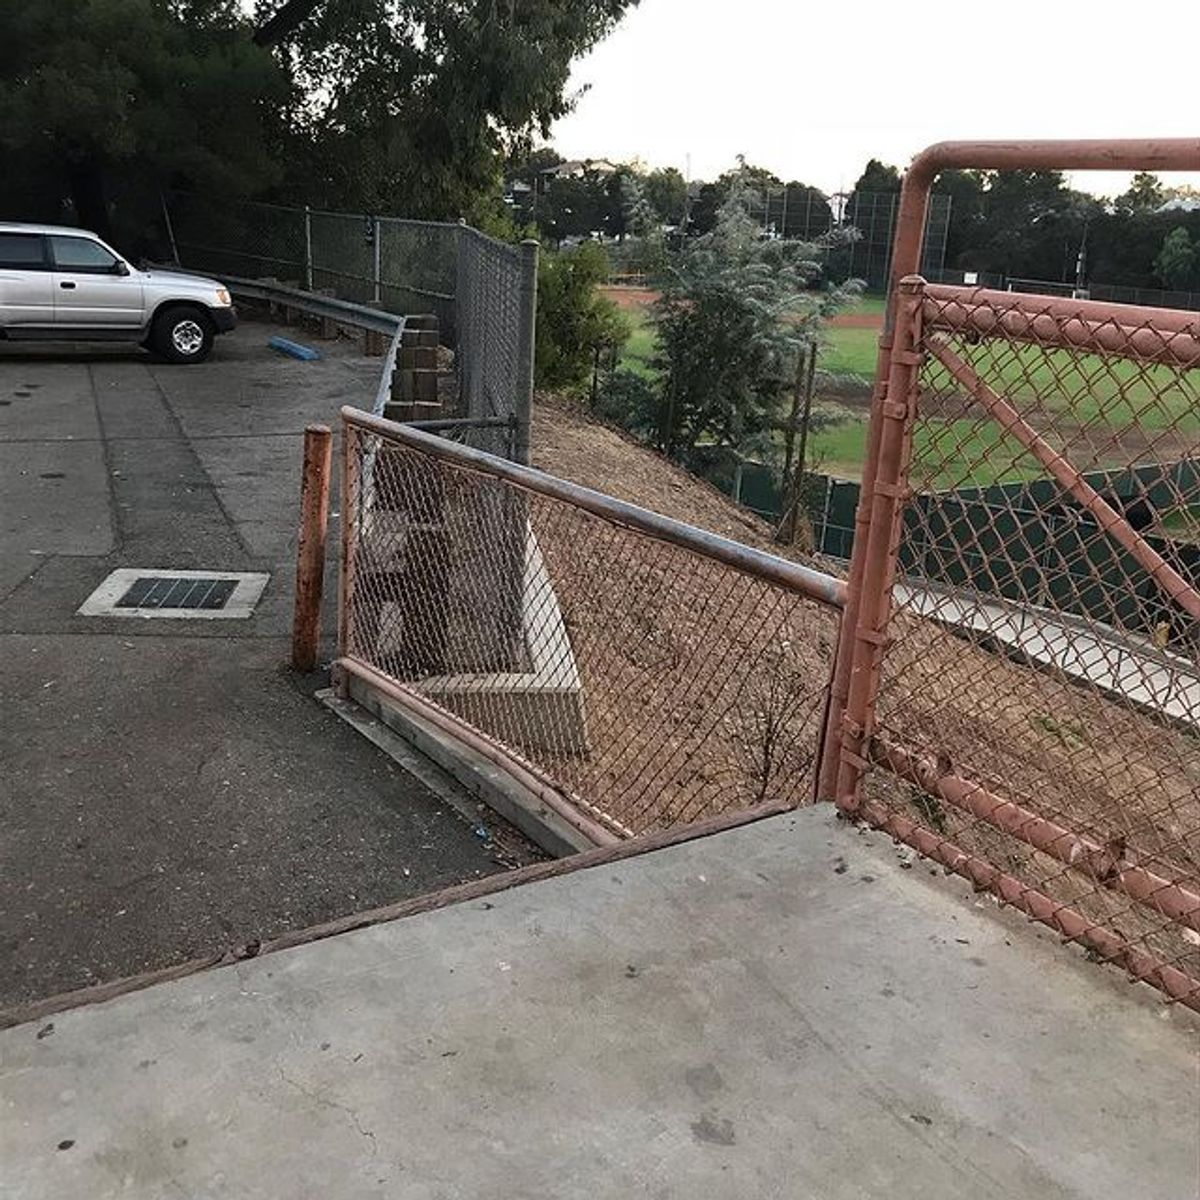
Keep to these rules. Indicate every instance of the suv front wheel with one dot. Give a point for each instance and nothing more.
(182, 335)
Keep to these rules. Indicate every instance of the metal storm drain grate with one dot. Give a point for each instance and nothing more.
(202, 595)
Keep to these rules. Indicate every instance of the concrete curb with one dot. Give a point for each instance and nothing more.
(397, 732)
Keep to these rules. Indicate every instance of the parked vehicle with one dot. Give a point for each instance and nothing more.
(63, 284)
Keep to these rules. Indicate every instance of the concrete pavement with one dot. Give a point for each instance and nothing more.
(169, 789)
(777, 1011)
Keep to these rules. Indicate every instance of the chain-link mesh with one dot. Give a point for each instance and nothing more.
(482, 291)
(238, 238)
(869, 255)
(649, 683)
(490, 293)
(1040, 697)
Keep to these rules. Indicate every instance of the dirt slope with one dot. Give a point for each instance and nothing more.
(568, 444)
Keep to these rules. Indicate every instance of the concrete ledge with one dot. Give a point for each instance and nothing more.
(481, 778)
(539, 709)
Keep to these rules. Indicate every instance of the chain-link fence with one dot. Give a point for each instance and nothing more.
(651, 674)
(1078, 776)
(1026, 708)
(869, 255)
(496, 294)
(482, 291)
(1155, 297)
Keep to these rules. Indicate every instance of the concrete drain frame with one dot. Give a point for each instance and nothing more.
(163, 592)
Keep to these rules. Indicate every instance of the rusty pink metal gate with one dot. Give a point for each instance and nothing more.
(1016, 690)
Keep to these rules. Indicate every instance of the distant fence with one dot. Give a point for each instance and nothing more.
(483, 292)
(1023, 541)
(1151, 297)
(806, 214)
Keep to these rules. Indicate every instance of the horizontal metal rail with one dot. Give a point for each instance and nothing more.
(1118, 870)
(436, 426)
(1069, 922)
(1067, 154)
(316, 305)
(1131, 331)
(383, 393)
(814, 585)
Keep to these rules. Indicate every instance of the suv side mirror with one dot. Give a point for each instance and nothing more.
(120, 268)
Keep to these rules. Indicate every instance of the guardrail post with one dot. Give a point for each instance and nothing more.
(527, 310)
(310, 554)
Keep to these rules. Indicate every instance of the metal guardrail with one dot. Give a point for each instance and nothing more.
(364, 317)
(313, 303)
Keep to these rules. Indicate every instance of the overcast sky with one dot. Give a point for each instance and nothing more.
(812, 91)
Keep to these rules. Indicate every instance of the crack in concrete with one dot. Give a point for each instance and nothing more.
(324, 1101)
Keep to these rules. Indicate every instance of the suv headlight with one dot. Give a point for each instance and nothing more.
(224, 299)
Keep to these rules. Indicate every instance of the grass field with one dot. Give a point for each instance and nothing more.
(851, 351)
(637, 352)
(946, 453)
(1110, 409)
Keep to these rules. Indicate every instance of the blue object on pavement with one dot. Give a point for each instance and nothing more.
(295, 349)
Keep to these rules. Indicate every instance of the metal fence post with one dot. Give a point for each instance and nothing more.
(308, 254)
(375, 261)
(166, 212)
(893, 416)
(523, 400)
(310, 554)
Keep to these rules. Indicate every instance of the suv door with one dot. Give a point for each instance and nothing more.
(26, 284)
(93, 288)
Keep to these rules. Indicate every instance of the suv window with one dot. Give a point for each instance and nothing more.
(22, 250)
(81, 254)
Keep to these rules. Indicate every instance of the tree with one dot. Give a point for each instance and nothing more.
(805, 212)
(574, 321)
(966, 190)
(1028, 226)
(177, 92)
(706, 203)
(878, 177)
(757, 185)
(870, 209)
(1145, 193)
(735, 315)
(574, 206)
(412, 106)
(1176, 261)
(666, 193)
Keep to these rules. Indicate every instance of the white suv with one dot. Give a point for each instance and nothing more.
(65, 284)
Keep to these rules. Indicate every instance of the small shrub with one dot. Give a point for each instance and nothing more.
(629, 401)
(573, 320)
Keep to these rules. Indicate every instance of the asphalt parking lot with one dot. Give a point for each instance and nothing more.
(170, 789)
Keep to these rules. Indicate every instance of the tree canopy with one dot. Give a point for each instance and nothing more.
(1177, 260)
(735, 313)
(397, 105)
(411, 105)
(93, 90)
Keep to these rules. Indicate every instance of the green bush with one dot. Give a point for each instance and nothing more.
(573, 320)
(631, 402)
